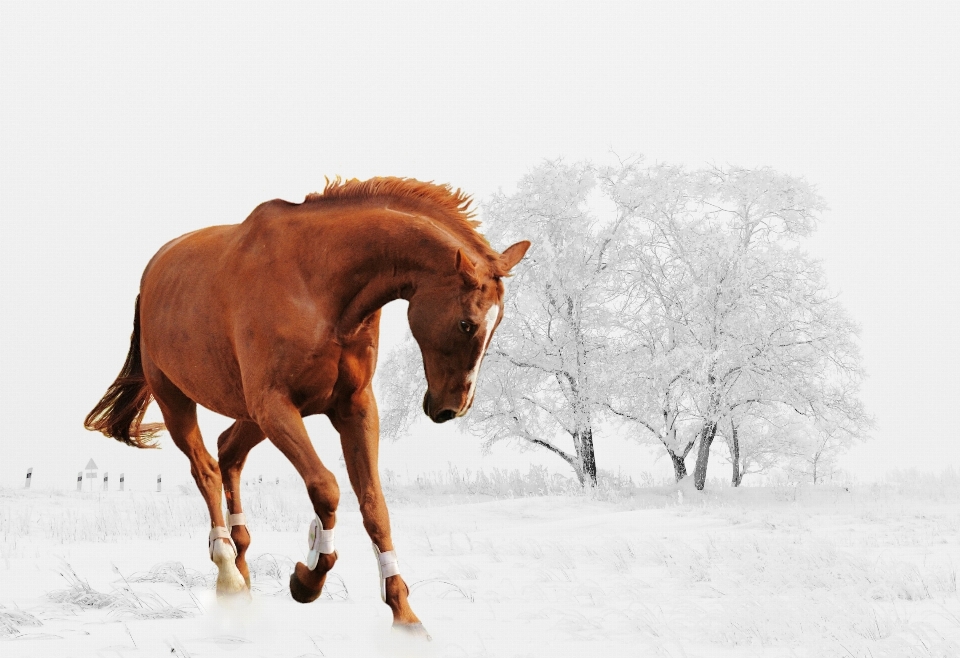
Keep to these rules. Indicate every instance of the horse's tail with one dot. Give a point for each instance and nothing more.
(119, 414)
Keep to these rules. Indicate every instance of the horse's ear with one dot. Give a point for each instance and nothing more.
(467, 269)
(512, 255)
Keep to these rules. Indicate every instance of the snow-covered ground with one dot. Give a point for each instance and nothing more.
(870, 571)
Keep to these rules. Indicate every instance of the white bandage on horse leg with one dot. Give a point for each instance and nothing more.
(319, 541)
(219, 532)
(236, 519)
(388, 566)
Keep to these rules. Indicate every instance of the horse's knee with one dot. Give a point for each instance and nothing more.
(324, 493)
(372, 509)
(369, 499)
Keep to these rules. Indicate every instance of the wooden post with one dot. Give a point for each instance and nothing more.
(80, 481)
(29, 474)
(121, 482)
(158, 484)
(106, 478)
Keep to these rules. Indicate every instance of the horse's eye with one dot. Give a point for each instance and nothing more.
(467, 327)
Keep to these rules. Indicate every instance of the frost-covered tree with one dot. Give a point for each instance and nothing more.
(652, 356)
(755, 443)
(541, 384)
(733, 317)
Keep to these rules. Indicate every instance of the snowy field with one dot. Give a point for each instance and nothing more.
(780, 571)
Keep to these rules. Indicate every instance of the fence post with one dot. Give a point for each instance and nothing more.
(106, 478)
(29, 473)
(158, 484)
(80, 481)
(121, 482)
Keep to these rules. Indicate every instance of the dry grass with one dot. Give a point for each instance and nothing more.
(123, 601)
(174, 572)
(11, 620)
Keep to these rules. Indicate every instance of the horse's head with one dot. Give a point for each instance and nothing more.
(453, 318)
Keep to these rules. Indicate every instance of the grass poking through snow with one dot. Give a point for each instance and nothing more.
(12, 619)
(123, 602)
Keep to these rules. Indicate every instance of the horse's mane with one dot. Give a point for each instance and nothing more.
(450, 208)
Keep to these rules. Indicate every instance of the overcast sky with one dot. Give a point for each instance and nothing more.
(123, 125)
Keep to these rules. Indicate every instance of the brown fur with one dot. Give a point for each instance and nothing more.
(278, 318)
(443, 204)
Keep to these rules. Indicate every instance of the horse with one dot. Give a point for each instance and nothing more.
(277, 318)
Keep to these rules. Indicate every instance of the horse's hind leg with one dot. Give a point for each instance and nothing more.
(233, 447)
(180, 415)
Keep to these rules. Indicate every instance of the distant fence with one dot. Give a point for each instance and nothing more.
(105, 482)
(91, 476)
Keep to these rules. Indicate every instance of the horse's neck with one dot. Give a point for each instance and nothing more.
(390, 268)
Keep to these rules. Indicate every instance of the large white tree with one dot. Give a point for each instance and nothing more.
(731, 316)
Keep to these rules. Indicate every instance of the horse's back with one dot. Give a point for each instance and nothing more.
(208, 265)
(220, 304)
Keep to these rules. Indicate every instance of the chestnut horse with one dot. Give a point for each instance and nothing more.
(278, 318)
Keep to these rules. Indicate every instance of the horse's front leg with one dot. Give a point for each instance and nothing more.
(281, 422)
(359, 426)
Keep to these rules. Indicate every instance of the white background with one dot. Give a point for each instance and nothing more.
(124, 125)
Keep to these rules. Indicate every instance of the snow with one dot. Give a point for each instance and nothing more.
(824, 571)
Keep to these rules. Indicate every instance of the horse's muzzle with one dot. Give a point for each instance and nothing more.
(441, 416)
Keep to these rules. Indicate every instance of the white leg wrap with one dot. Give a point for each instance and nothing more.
(319, 541)
(388, 566)
(236, 519)
(219, 532)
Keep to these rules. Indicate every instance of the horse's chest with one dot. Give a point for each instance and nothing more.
(332, 375)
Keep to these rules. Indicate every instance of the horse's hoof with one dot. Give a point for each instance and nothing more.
(229, 579)
(299, 590)
(232, 585)
(412, 630)
(226, 595)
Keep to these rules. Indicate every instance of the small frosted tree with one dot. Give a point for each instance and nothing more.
(540, 383)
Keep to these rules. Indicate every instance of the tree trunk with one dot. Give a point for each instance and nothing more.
(735, 455)
(707, 433)
(588, 460)
(679, 466)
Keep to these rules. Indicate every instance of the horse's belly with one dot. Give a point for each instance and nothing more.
(200, 365)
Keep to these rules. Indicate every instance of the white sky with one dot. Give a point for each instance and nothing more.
(125, 125)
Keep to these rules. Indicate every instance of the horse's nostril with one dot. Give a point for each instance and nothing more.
(444, 416)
